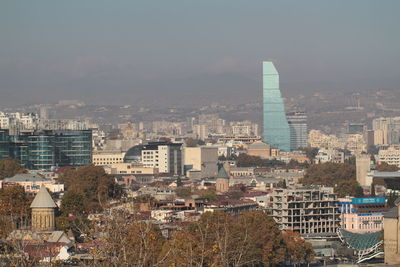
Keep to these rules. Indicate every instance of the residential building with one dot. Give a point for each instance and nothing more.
(386, 130)
(362, 215)
(200, 131)
(166, 157)
(276, 127)
(390, 156)
(4, 120)
(32, 183)
(307, 210)
(298, 129)
(329, 155)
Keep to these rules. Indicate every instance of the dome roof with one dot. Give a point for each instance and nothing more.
(43, 199)
(133, 154)
(258, 145)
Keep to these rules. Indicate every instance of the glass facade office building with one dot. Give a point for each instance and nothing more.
(276, 127)
(4, 144)
(298, 129)
(45, 149)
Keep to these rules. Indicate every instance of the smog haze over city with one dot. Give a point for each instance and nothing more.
(180, 53)
(200, 133)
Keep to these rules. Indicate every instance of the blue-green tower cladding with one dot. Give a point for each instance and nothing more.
(276, 127)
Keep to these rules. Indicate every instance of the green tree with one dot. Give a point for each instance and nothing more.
(92, 182)
(297, 249)
(14, 208)
(183, 192)
(129, 242)
(373, 194)
(391, 198)
(208, 194)
(329, 173)
(217, 239)
(73, 202)
(311, 152)
(245, 160)
(10, 167)
(348, 188)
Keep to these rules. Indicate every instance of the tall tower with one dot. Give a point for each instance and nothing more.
(43, 211)
(298, 129)
(276, 127)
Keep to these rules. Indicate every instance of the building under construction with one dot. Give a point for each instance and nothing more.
(307, 210)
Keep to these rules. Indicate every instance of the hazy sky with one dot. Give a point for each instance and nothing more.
(128, 51)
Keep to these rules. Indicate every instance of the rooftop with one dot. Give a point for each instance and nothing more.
(25, 177)
(43, 199)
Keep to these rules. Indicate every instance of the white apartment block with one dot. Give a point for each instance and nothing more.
(4, 121)
(390, 156)
(166, 158)
(329, 155)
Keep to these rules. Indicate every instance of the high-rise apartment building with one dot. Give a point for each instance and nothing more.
(276, 127)
(166, 157)
(298, 129)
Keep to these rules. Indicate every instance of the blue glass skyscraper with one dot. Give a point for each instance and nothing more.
(276, 127)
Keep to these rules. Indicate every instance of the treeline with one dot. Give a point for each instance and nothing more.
(88, 190)
(217, 239)
(245, 160)
(341, 176)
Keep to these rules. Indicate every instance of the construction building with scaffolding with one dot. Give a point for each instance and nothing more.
(309, 210)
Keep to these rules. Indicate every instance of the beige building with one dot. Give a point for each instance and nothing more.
(242, 171)
(390, 156)
(129, 168)
(32, 183)
(203, 159)
(363, 167)
(259, 149)
(380, 137)
(391, 236)
(107, 158)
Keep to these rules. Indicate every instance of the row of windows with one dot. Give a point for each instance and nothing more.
(108, 159)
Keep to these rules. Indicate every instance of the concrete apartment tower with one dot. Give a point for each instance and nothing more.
(276, 127)
(43, 211)
(222, 183)
(363, 166)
